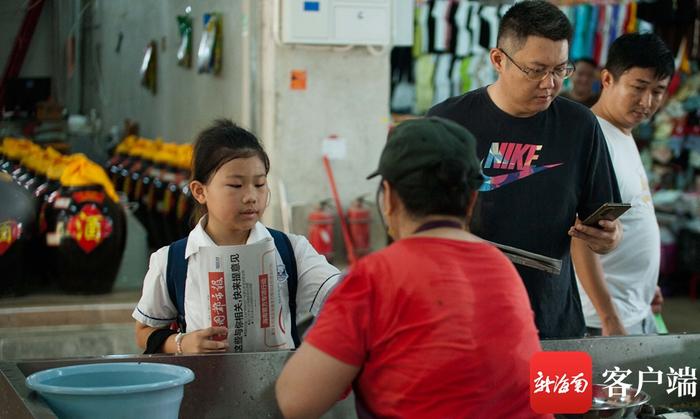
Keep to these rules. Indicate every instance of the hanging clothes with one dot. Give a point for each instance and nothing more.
(621, 20)
(570, 13)
(456, 77)
(402, 86)
(614, 25)
(475, 28)
(598, 37)
(592, 30)
(423, 12)
(463, 34)
(489, 27)
(582, 20)
(403, 97)
(424, 68)
(441, 78)
(417, 32)
(631, 18)
(466, 76)
(443, 28)
(481, 71)
(605, 34)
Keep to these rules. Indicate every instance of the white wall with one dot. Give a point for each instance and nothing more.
(185, 101)
(347, 95)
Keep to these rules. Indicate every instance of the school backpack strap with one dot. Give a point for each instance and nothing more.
(286, 251)
(175, 275)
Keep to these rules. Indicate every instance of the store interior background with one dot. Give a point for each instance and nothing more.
(347, 94)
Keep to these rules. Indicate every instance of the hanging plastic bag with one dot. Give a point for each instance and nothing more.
(148, 67)
(209, 53)
(184, 51)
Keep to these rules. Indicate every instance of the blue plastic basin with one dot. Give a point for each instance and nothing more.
(113, 390)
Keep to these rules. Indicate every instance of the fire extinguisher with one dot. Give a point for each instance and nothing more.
(359, 220)
(321, 229)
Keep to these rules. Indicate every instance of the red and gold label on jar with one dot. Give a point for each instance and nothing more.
(88, 196)
(10, 231)
(89, 227)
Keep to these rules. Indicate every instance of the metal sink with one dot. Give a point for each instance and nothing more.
(242, 385)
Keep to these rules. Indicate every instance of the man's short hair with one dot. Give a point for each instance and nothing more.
(640, 50)
(587, 60)
(533, 18)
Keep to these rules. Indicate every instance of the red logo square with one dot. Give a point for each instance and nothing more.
(561, 382)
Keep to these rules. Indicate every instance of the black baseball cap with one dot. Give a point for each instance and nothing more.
(423, 143)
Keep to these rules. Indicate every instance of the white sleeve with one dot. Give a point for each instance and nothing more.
(155, 308)
(316, 277)
(609, 137)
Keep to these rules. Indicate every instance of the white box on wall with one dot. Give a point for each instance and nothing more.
(338, 22)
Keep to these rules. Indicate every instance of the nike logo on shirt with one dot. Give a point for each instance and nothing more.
(511, 156)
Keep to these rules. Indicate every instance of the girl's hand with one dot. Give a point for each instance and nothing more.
(200, 341)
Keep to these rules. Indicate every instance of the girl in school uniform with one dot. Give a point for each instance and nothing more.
(229, 182)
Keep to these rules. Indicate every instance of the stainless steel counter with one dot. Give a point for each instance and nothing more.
(242, 385)
(225, 385)
(636, 353)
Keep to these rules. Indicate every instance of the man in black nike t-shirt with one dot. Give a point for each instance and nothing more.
(544, 159)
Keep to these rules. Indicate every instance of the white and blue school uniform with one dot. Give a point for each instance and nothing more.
(316, 278)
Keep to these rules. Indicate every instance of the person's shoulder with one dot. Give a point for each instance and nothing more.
(159, 261)
(614, 136)
(608, 128)
(455, 105)
(262, 231)
(299, 242)
(376, 264)
(161, 255)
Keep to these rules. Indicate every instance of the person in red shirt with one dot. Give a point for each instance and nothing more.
(438, 324)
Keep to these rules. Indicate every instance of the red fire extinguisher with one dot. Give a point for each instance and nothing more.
(321, 229)
(359, 220)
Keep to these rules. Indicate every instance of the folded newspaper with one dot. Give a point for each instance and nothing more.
(529, 259)
(244, 295)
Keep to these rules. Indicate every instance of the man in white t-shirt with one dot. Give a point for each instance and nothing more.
(634, 81)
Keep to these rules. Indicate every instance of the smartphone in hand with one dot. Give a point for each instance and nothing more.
(609, 211)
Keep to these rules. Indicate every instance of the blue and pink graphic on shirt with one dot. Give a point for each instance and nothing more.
(512, 156)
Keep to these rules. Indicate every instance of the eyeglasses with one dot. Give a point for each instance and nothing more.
(538, 75)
